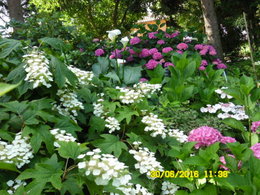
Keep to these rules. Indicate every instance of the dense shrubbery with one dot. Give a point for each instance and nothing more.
(74, 131)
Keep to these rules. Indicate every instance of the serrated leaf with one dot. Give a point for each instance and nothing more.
(5, 88)
(7, 46)
(126, 113)
(69, 150)
(110, 144)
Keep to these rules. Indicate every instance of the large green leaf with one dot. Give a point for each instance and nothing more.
(69, 150)
(234, 124)
(8, 166)
(101, 67)
(132, 74)
(5, 88)
(55, 43)
(7, 46)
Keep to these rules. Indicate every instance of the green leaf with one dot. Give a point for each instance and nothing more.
(101, 67)
(7, 46)
(73, 185)
(112, 75)
(126, 113)
(195, 160)
(97, 123)
(132, 74)
(69, 150)
(9, 167)
(55, 43)
(110, 144)
(234, 124)
(156, 74)
(5, 88)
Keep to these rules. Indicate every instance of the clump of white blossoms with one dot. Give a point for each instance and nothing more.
(169, 188)
(229, 110)
(112, 123)
(178, 134)
(69, 104)
(147, 89)
(14, 185)
(18, 152)
(223, 95)
(155, 125)
(37, 69)
(131, 189)
(146, 161)
(84, 77)
(105, 168)
(98, 108)
(62, 135)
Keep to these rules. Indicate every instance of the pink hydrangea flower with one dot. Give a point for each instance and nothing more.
(202, 68)
(212, 51)
(223, 160)
(160, 42)
(151, 35)
(256, 150)
(226, 139)
(179, 51)
(99, 52)
(130, 58)
(204, 51)
(157, 56)
(204, 136)
(151, 64)
(132, 52)
(217, 61)
(143, 80)
(175, 34)
(167, 49)
(167, 35)
(255, 126)
(204, 63)
(198, 47)
(166, 64)
(153, 50)
(144, 53)
(182, 46)
(221, 66)
(117, 53)
(135, 40)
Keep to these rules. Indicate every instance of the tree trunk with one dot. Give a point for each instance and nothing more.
(211, 25)
(15, 10)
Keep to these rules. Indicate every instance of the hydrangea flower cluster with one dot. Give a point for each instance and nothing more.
(84, 77)
(134, 190)
(98, 108)
(18, 152)
(169, 188)
(62, 135)
(14, 185)
(255, 126)
(99, 52)
(69, 103)
(37, 68)
(223, 161)
(105, 167)
(205, 136)
(204, 49)
(178, 134)
(223, 95)
(229, 110)
(147, 89)
(155, 125)
(256, 149)
(112, 123)
(146, 161)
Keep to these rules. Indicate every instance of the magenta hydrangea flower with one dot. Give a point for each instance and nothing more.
(153, 50)
(135, 40)
(198, 47)
(212, 51)
(175, 34)
(202, 68)
(143, 80)
(130, 58)
(204, 51)
(204, 136)
(151, 64)
(204, 63)
(132, 52)
(167, 49)
(182, 46)
(217, 61)
(223, 161)
(167, 35)
(157, 56)
(166, 64)
(226, 139)
(221, 66)
(151, 35)
(179, 51)
(160, 42)
(256, 150)
(255, 126)
(144, 53)
(117, 53)
(99, 52)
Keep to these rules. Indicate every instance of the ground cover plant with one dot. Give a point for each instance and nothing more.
(155, 114)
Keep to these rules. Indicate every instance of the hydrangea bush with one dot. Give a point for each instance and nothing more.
(66, 130)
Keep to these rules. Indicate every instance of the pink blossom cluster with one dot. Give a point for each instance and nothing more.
(135, 41)
(256, 150)
(169, 36)
(255, 126)
(219, 64)
(223, 161)
(182, 46)
(205, 136)
(99, 52)
(204, 49)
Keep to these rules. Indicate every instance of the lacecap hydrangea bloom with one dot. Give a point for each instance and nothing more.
(105, 168)
(62, 135)
(178, 134)
(37, 69)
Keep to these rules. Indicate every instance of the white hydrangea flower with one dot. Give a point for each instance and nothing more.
(84, 77)
(69, 104)
(131, 189)
(98, 108)
(223, 95)
(62, 135)
(178, 134)
(112, 123)
(147, 89)
(105, 168)
(169, 188)
(37, 68)
(155, 125)
(14, 185)
(146, 161)
(130, 95)
(18, 152)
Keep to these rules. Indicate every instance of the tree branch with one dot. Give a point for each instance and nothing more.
(115, 13)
